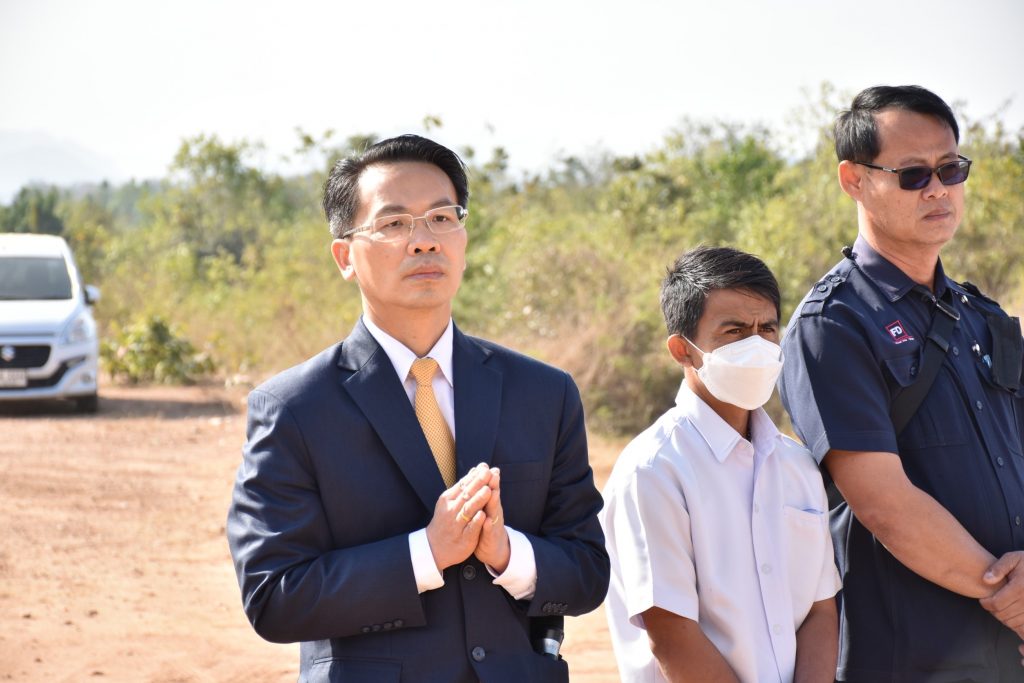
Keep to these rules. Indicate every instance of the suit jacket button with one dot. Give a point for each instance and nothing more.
(388, 626)
(469, 572)
(365, 629)
(478, 654)
(398, 623)
(376, 627)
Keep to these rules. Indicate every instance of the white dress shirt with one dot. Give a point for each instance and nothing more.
(731, 534)
(520, 577)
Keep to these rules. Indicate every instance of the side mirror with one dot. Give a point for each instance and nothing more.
(92, 294)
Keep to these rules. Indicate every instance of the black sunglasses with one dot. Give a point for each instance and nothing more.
(918, 177)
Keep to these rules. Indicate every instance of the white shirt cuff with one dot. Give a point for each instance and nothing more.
(520, 576)
(423, 566)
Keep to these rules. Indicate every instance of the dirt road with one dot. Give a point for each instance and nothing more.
(113, 562)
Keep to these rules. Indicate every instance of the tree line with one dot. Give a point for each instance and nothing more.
(233, 261)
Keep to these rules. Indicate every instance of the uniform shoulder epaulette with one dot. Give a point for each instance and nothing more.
(815, 301)
(973, 290)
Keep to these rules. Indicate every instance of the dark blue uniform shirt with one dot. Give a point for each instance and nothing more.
(853, 344)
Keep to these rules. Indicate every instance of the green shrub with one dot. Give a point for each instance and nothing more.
(149, 350)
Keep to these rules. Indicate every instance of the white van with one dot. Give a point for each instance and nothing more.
(48, 343)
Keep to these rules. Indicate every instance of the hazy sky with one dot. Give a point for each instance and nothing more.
(108, 89)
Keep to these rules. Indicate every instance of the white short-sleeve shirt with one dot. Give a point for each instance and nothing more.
(730, 533)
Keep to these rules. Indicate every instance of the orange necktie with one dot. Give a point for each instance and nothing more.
(442, 445)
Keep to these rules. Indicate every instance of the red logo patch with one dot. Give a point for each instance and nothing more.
(898, 332)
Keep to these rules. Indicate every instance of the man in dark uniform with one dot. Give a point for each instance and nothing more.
(929, 538)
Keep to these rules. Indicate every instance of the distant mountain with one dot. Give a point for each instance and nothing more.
(31, 156)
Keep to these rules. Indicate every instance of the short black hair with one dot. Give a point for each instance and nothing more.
(341, 191)
(698, 272)
(855, 132)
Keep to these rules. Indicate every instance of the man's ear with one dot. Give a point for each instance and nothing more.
(680, 350)
(851, 179)
(341, 251)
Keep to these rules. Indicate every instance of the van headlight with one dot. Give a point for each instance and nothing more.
(81, 329)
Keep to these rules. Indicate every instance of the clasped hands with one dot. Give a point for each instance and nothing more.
(468, 520)
(1006, 576)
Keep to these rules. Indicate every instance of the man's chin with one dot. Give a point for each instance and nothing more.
(429, 298)
(938, 232)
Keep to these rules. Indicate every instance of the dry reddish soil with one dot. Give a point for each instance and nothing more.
(113, 562)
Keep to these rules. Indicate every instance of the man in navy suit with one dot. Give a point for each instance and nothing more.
(400, 546)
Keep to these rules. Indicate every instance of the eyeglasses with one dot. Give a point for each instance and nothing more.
(398, 227)
(918, 177)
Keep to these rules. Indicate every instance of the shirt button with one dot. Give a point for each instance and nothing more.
(478, 654)
(1016, 520)
(766, 568)
(999, 461)
(398, 623)
(469, 572)
(956, 351)
(757, 508)
(978, 405)
(776, 629)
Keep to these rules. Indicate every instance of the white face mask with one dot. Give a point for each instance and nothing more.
(742, 373)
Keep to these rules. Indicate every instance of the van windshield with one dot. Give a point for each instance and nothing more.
(25, 277)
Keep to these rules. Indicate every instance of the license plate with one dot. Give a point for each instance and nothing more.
(13, 378)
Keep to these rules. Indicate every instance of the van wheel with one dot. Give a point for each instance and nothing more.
(87, 404)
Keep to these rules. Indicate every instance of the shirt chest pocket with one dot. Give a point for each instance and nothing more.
(1008, 409)
(942, 418)
(805, 534)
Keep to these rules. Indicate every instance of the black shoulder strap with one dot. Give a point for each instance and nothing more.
(815, 301)
(944, 320)
(973, 290)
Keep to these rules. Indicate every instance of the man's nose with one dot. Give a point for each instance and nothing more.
(935, 188)
(422, 239)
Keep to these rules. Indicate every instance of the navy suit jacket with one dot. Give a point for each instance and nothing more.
(337, 472)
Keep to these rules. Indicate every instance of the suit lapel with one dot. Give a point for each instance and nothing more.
(477, 402)
(378, 392)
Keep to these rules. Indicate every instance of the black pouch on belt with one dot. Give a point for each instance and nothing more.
(1007, 351)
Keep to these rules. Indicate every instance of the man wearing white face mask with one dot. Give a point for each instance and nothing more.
(716, 524)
